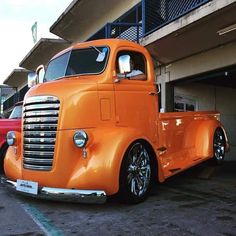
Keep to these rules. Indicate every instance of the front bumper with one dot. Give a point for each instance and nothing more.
(61, 194)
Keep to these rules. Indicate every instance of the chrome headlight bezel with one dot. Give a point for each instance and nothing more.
(80, 138)
(11, 138)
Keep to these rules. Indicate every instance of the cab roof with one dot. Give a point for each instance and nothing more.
(112, 43)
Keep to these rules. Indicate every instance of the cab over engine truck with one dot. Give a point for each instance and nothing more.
(92, 128)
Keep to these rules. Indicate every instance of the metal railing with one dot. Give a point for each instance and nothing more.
(10, 102)
(22, 92)
(158, 13)
(128, 26)
(16, 97)
(128, 31)
(155, 14)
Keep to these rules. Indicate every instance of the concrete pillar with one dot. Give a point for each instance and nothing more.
(169, 97)
(167, 90)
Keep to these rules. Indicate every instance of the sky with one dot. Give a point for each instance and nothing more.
(16, 19)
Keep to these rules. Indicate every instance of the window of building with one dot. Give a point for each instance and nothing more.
(183, 103)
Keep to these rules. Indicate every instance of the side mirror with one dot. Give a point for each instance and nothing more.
(124, 64)
(36, 78)
(40, 73)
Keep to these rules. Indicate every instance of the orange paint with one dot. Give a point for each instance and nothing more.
(114, 115)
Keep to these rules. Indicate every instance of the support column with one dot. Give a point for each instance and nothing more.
(169, 97)
(167, 91)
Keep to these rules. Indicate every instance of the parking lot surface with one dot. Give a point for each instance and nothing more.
(200, 201)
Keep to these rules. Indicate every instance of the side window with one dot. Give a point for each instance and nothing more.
(131, 65)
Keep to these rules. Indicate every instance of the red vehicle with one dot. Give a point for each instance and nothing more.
(12, 123)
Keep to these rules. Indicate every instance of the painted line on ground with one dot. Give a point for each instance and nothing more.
(44, 223)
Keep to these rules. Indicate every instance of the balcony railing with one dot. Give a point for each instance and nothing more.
(158, 13)
(128, 26)
(128, 31)
(22, 92)
(16, 97)
(10, 102)
(147, 18)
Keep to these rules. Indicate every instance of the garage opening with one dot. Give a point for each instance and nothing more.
(215, 90)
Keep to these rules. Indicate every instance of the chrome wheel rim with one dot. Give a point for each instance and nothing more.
(219, 145)
(139, 169)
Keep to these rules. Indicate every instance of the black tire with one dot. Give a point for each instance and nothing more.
(136, 173)
(3, 151)
(219, 145)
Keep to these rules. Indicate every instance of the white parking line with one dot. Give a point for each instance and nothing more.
(41, 220)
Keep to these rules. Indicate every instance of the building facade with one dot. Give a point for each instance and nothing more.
(5, 93)
(192, 42)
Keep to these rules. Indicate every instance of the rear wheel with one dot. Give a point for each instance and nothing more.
(219, 145)
(136, 173)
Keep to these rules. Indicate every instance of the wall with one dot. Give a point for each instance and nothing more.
(222, 99)
(106, 14)
(219, 57)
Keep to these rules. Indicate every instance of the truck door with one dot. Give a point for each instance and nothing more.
(136, 107)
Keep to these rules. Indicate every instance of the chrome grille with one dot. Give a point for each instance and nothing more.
(40, 125)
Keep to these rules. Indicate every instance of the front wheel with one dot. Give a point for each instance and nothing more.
(219, 145)
(135, 174)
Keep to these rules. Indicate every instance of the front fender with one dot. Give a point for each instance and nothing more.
(12, 164)
(105, 152)
(12, 160)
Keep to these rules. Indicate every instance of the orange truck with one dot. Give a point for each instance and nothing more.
(92, 128)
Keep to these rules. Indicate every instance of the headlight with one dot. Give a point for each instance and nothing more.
(11, 138)
(80, 138)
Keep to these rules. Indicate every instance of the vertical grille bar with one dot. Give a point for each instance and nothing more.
(40, 114)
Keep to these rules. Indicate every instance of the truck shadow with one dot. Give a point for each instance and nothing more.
(198, 182)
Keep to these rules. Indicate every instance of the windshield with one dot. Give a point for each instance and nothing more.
(16, 112)
(84, 61)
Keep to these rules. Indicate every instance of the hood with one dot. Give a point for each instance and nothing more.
(78, 98)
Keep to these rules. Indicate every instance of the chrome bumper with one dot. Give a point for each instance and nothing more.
(61, 194)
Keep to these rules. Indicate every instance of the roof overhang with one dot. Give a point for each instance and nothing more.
(83, 18)
(42, 52)
(5, 90)
(198, 31)
(17, 78)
